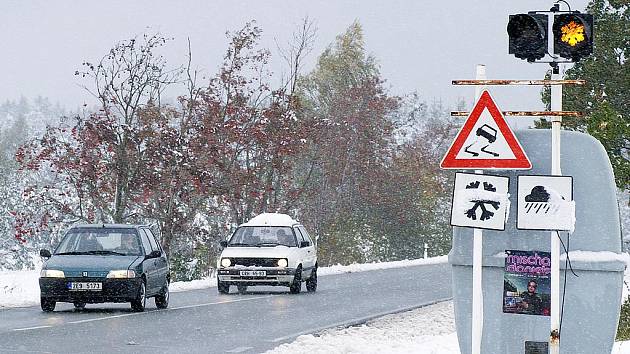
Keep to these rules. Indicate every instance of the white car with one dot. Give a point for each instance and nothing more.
(270, 249)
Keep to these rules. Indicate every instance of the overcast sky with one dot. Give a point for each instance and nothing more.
(420, 45)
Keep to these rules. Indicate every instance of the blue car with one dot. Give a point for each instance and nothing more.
(105, 263)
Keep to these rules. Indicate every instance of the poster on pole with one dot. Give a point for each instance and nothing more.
(527, 283)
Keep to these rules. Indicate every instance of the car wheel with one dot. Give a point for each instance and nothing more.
(47, 305)
(161, 299)
(311, 282)
(222, 287)
(79, 305)
(139, 304)
(242, 289)
(296, 286)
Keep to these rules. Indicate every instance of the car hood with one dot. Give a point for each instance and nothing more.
(259, 252)
(89, 262)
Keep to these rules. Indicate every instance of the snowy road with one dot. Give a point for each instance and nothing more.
(201, 321)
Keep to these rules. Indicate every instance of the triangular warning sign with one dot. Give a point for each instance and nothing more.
(485, 141)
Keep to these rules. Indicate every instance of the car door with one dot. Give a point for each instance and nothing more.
(161, 263)
(148, 264)
(311, 250)
(306, 252)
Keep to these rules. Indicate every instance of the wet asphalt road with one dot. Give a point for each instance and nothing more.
(202, 321)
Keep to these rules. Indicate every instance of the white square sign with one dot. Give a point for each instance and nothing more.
(545, 203)
(480, 201)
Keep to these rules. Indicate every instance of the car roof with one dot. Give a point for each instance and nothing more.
(106, 226)
(271, 219)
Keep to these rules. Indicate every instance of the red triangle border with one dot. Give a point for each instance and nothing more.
(520, 160)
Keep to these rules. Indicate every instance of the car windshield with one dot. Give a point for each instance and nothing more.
(122, 242)
(263, 236)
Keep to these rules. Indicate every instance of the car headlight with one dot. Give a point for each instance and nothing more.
(50, 273)
(282, 262)
(226, 262)
(121, 274)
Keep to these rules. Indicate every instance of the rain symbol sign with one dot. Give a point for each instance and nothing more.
(545, 203)
(480, 201)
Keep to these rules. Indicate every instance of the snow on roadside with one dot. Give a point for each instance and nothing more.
(193, 284)
(19, 288)
(427, 330)
(338, 269)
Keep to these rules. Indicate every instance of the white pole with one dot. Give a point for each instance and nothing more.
(477, 311)
(477, 300)
(556, 121)
(426, 248)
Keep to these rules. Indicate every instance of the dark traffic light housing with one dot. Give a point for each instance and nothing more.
(528, 36)
(573, 35)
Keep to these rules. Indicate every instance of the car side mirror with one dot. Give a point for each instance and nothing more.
(304, 244)
(45, 253)
(154, 254)
(223, 243)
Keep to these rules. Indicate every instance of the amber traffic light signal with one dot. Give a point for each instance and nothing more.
(573, 35)
(528, 36)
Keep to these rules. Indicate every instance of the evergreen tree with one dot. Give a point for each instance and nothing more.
(604, 98)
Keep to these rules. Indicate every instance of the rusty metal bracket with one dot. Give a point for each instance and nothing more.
(527, 113)
(518, 82)
(554, 338)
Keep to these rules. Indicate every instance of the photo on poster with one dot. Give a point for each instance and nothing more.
(527, 283)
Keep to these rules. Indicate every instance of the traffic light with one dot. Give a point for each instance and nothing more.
(528, 36)
(573, 35)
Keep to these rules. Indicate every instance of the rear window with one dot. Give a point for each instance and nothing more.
(100, 241)
(263, 236)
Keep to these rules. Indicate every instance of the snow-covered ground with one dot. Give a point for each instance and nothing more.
(427, 330)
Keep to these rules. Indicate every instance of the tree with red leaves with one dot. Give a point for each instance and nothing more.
(98, 161)
(226, 146)
(248, 132)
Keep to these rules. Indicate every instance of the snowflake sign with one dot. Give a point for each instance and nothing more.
(480, 201)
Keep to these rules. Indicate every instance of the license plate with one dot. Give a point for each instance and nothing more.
(253, 273)
(85, 286)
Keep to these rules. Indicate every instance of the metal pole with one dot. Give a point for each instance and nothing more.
(556, 122)
(477, 300)
(426, 248)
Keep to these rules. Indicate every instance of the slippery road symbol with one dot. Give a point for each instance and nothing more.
(485, 132)
(482, 203)
(538, 202)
